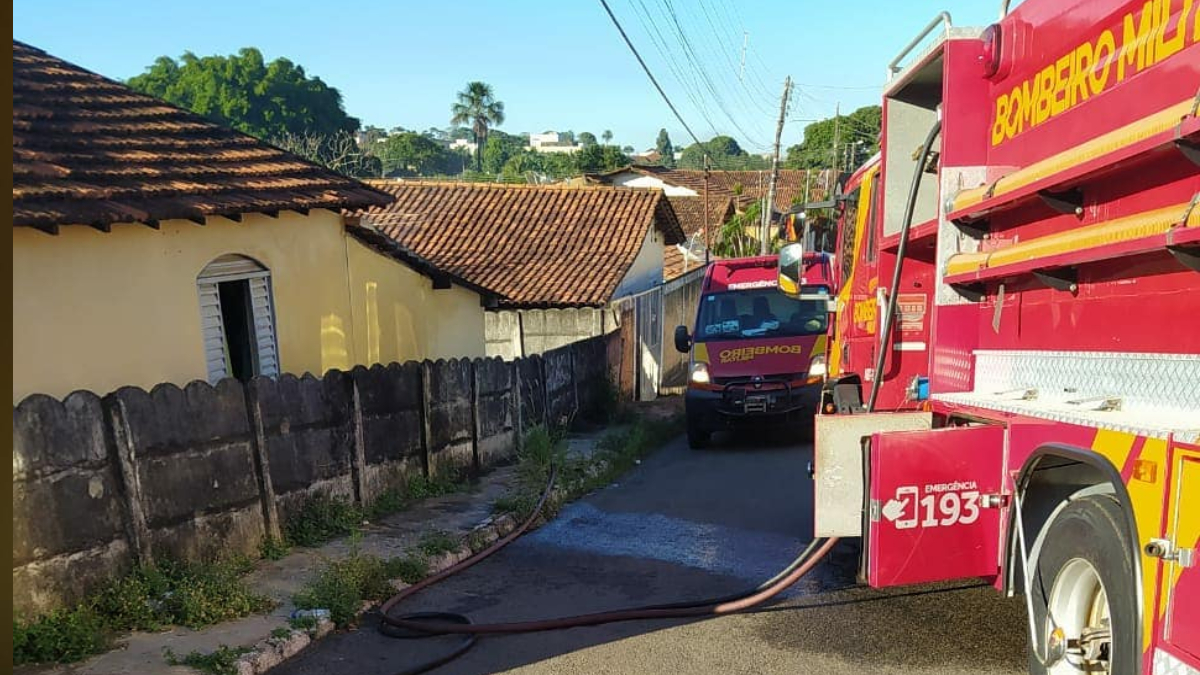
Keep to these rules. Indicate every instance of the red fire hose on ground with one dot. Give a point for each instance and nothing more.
(428, 624)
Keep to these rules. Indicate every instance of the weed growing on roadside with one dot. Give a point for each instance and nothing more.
(169, 593)
(221, 662)
(63, 636)
(303, 622)
(282, 633)
(477, 540)
(273, 549)
(320, 519)
(423, 487)
(409, 568)
(391, 501)
(616, 453)
(150, 597)
(437, 542)
(344, 585)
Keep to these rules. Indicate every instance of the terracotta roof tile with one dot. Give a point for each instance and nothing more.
(533, 246)
(741, 186)
(90, 151)
(690, 211)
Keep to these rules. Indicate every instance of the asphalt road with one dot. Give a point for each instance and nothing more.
(683, 525)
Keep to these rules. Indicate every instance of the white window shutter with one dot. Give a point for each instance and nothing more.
(216, 352)
(264, 326)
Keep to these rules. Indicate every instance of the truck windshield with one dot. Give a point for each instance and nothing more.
(761, 312)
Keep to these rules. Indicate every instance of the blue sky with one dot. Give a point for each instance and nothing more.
(556, 65)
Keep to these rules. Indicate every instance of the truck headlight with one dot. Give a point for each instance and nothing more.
(700, 373)
(817, 367)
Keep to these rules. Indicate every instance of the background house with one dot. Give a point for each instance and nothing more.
(151, 245)
(690, 255)
(554, 256)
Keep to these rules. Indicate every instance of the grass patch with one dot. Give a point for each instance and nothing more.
(282, 633)
(410, 568)
(617, 452)
(180, 594)
(344, 585)
(303, 622)
(221, 662)
(151, 597)
(62, 636)
(391, 501)
(423, 487)
(320, 519)
(273, 549)
(437, 542)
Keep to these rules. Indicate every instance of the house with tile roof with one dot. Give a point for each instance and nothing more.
(152, 245)
(737, 189)
(555, 256)
(701, 229)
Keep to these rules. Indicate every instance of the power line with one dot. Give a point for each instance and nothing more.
(677, 70)
(697, 64)
(651, 75)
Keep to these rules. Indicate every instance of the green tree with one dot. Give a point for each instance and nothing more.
(267, 100)
(477, 106)
(734, 240)
(858, 130)
(500, 147)
(567, 137)
(607, 136)
(411, 153)
(587, 139)
(724, 152)
(628, 149)
(666, 151)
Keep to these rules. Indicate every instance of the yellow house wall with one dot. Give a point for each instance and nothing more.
(95, 310)
(398, 316)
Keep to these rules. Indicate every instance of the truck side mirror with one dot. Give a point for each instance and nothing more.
(683, 341)
(791, 269)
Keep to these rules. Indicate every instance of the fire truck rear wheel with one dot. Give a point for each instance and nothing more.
(697, 438)
(1085, 578)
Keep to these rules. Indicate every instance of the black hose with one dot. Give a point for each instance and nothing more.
(893, 295)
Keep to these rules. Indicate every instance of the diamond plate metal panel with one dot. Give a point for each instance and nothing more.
(1155, 395)
(1169, 380)
(951, 240)
(1166, 664)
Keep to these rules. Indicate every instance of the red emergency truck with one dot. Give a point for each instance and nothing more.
(1015, 355)
(757, 354)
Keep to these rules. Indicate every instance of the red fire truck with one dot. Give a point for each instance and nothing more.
(1014, 362)
(757, 355)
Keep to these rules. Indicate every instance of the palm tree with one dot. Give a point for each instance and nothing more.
(478, 107)
(607, 136)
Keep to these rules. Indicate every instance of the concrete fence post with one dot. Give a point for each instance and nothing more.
(262, 464)
(516, 404)
(545, 393)
(426, 415)
(476, 434)
(358, 458)
(576, 407)
(139, 530)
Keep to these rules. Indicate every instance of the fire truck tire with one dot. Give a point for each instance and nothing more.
(1084, 571)
(697, 438)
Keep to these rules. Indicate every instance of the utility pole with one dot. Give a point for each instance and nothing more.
(770, 206)
(837, 114)
(706, 239)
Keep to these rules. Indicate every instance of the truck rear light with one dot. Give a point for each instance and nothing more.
(989, 55)
(700, 373)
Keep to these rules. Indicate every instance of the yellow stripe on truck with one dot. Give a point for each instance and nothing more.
(1117, 139)
(1115, 231)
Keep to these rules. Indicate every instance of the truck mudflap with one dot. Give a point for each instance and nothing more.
(931, 505)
